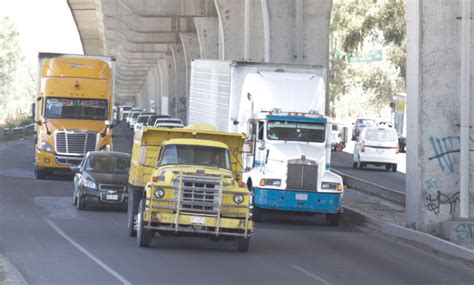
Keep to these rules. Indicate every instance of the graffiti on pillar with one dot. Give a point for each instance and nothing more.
(435, 201)
(446, 151)
(465, 232)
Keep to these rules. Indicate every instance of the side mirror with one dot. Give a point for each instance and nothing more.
(262, 146)
(75, 169)
(235, 122)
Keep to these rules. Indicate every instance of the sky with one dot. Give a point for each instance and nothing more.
(43, 25)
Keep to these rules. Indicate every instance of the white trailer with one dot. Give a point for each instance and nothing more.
(281, 109)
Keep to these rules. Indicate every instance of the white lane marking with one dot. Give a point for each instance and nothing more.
(365, 181)
(88, 254)
(306, 272)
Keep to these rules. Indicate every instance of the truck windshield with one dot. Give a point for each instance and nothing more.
(296, 131)
(195, 155)
(68, 108)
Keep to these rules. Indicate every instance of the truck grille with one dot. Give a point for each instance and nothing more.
(199, 194)
(302, 176)
(78, 143)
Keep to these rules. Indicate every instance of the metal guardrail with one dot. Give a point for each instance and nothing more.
(17, 131)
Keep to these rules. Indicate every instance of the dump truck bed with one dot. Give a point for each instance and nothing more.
(147, 144)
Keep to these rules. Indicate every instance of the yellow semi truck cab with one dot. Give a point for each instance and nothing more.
(73, 109)
(194, 187)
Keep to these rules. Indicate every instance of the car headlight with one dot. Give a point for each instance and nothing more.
(270, 182)
(89, 184)
(159, 193)
(238, 198)
(107, 147)
(46, 147)
(331, 186)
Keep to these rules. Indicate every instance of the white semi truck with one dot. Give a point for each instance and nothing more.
(281, 110)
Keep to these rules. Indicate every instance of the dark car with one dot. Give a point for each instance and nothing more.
(359, 125)
(101, 179)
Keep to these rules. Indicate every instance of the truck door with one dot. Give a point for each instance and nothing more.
(260, 149)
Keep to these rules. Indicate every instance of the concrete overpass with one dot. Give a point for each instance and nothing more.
(155, 41)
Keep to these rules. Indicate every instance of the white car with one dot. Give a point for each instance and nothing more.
(376, 146)
(168, 123)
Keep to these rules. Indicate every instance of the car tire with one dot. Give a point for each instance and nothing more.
(80, 205)
(144, 236)
(394, 167)
(134, 197)
(74, 198)
(243, 244)
(333, 219)
(388, 166)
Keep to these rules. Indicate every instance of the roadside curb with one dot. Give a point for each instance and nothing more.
(372, 188)
(435, 243)
(9, 274)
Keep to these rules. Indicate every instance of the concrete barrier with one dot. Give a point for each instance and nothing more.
(372, 188)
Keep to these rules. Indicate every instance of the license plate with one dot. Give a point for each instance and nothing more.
(198, 220)
(301, 197)
(111, 197)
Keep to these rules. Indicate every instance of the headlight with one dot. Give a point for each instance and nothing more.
(46, 147)
(270, 182)
(159, 193)
(331, 186)
(106, 148)
(89, 184)
(238, 198)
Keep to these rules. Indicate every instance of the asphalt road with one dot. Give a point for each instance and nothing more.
(50, 242)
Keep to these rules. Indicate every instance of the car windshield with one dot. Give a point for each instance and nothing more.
(66, 108)
(381, 135)
(108, 164)
(296, 131)
(135, 115)
(195, 155)
(126, 108)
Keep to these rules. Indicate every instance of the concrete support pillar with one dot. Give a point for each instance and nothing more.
(231, 28)
(433, 88)
(180, 80)
(164, 87)
(207, 29)
(190, 45)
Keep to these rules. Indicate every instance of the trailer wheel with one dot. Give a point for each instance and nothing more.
(394, 167)
(134, 197)
(333, 219)
(144, 236)
(243, 244)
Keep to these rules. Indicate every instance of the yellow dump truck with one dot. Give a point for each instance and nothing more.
(73, 109)
(187, 182)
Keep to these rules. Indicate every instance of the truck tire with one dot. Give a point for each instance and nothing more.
(144, 236)
(333, 219)
(243, 244)
(40, 174)
(394, 167)
(134, 197)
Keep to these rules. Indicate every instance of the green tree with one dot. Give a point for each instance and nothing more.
(9, 58)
